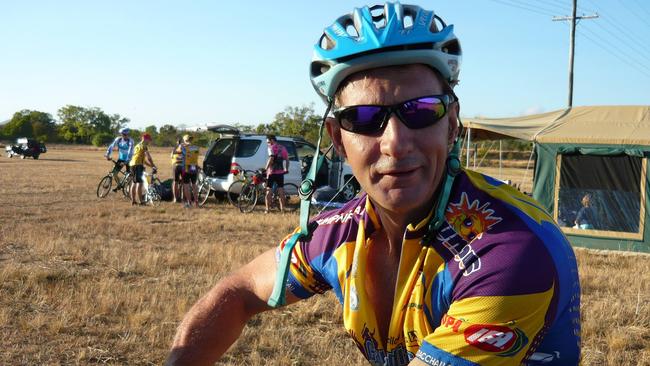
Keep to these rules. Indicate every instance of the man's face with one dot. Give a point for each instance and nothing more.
(400, 168)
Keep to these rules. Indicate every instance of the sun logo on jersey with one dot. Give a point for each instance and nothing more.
(469, 220)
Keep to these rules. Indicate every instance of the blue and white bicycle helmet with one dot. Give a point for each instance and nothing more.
(378, 36)
(124, 131)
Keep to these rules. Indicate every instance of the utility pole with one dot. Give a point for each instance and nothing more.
(572, 41)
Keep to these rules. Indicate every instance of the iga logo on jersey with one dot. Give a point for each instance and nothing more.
(495, 338)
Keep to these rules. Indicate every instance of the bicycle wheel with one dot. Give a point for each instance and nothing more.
(152, 196)
(204, 192)
(234, 190)
(247, 198)
(126, 188)
(104, 187)
(292, 198)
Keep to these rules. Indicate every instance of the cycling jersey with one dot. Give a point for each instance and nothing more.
(279, 154)
(190, 158)
(498, 284)
(138, 154)
(124, 148)
(177, 155)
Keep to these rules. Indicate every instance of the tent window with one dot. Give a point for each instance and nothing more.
(600, 193)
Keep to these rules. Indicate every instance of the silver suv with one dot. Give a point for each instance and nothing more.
(235, 151)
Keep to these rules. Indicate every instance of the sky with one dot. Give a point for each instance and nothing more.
(191, 63)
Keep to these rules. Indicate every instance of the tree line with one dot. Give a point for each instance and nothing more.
(81, 125)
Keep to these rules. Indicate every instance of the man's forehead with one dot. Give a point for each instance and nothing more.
(385, 84)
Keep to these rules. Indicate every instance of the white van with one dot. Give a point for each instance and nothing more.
(235, 151)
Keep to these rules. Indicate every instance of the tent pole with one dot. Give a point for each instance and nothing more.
(469, 142)
(500, 156)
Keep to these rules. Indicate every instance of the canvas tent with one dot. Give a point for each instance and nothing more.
(600, 152)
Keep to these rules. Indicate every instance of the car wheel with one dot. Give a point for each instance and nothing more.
(350, 190)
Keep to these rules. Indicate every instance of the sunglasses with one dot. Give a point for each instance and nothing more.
(415, 113)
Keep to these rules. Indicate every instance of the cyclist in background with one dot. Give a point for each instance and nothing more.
(124, 146)
(177, 170)
(190, 171)
(141, 157)
(277, 166)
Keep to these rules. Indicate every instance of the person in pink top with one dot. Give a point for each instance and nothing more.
(276, 167)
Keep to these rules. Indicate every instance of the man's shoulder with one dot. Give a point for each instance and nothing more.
(336, 227)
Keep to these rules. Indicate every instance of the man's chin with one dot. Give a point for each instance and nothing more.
(402, 199)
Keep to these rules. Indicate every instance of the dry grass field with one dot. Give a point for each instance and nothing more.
(96, 281)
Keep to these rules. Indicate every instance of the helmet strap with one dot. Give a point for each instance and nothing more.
(306, 190)
(453, 168)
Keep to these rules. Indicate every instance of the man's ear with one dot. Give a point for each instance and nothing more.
(334, 130)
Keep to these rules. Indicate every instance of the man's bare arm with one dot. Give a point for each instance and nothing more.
(215, 322)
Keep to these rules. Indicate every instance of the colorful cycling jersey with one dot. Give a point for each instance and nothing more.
(190, 158)
(177, 155)
(498, 285)
(279, 154)
(138, 154)
(124, 148)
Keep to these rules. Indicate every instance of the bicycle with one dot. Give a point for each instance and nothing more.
(152, 188)
(256, 188)
(123, 181)
(243, 178)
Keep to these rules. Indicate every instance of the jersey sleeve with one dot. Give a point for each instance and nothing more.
(110, 147)
(130, 153)
(499, 313)
(304, 279)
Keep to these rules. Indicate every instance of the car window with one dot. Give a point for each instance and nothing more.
(304, 150)
(291, 149)
(247, 148)
(223, 147)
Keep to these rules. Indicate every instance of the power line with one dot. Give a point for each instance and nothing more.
(563, 5)
(626, 42)
(627, 57)
(551, 10)
(615, 55)
(647, 12)
(632, 36)
(572, 38)
(636, 14)
(503, 2)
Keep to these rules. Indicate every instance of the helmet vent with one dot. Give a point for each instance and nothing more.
(408, 21)
(437, 24)
(378, 16)
(452, 47)
(319, 68)
(325, 42)
(351, 30)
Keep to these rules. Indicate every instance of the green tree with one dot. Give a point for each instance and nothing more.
(296, 121)
(167, 135)
(102, 139)
(75, 124)
(28, 123)
(152, 130)
(79, 124)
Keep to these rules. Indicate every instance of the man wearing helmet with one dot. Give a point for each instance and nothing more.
(434, 265)
(140, 157)
(124, 146)
(190, 171)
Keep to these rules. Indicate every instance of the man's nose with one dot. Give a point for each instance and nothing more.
(396, 139)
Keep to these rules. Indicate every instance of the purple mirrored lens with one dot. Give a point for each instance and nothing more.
(422, 112)
(361, 118)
